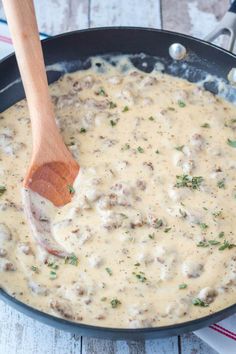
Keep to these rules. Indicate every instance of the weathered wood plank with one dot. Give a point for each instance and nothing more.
(22, 335)
(125, 13)
(191, 344)
(58, 16)
(195, 17)
(161, 346)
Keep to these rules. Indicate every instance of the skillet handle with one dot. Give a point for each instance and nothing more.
(226, 26)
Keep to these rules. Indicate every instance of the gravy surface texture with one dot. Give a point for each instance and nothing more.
(150, 233)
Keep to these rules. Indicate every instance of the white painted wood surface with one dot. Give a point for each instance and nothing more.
(21, 335)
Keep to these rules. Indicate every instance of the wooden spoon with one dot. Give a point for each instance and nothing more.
(52, 170)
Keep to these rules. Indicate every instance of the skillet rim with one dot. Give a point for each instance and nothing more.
(121, 333)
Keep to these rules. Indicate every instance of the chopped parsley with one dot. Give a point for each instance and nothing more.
(203, 226)
(183, 213)
(198, 302)
(109, 271)
(137, 264)
(101, 92)
(221, 234)
(53, 275)
(112, 105)
(188, 181)
(151, 236)
(181, 103)
(226, 245)
(2, 190)
(140, 149)
(231, 143)
(158, 224)
(179, 148)
(125, 109)
(217, 214)
(73, 260)
(157, 152)
(221, 184)
(70, 189)
(125, 147)
(82, 130)
(205, 125)
(202, 244)
(53, 265)
(183, 286)
(167, 229)
(213, 242)
(140, 276)
(104, 298)
(35, 269)
(151, 118)
(113, 123)
(115, 303)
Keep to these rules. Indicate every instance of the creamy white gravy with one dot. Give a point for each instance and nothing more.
(150, 231)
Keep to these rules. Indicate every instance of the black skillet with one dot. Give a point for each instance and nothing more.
(75, 48)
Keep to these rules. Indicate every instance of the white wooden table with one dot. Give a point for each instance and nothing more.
(22, 335)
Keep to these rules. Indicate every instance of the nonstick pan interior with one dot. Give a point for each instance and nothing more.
(204, 62)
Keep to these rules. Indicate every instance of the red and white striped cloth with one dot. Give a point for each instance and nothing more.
(220, 336)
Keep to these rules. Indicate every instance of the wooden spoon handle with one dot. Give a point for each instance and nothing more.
(24, 31)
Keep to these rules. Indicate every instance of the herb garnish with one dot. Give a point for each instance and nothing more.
(181, 103)
(70, 189)
(140, 149)
(198, 302)
(137, 264)
(203, 226)
(151, 236)
(231, 143)
(115, 303)
(53, 265)
(151, 118)
(104, 298)
(113, 123)
(140, 276)
(188, 181)
(112, 105)
(221, 184)
(205, 125)
(158, 224)
(35, 269)
(179, 148)
(101, 92)
(217, 214)
(221, 234)
(72, 260)
(213, 242)
(226, 245)
(53, 275)
(109, 271)
(167, 229)
(2, 190)
(125, 147)
(157, 152)
(125, 109)
(202, 244)
(183, 286)
(82, 130)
